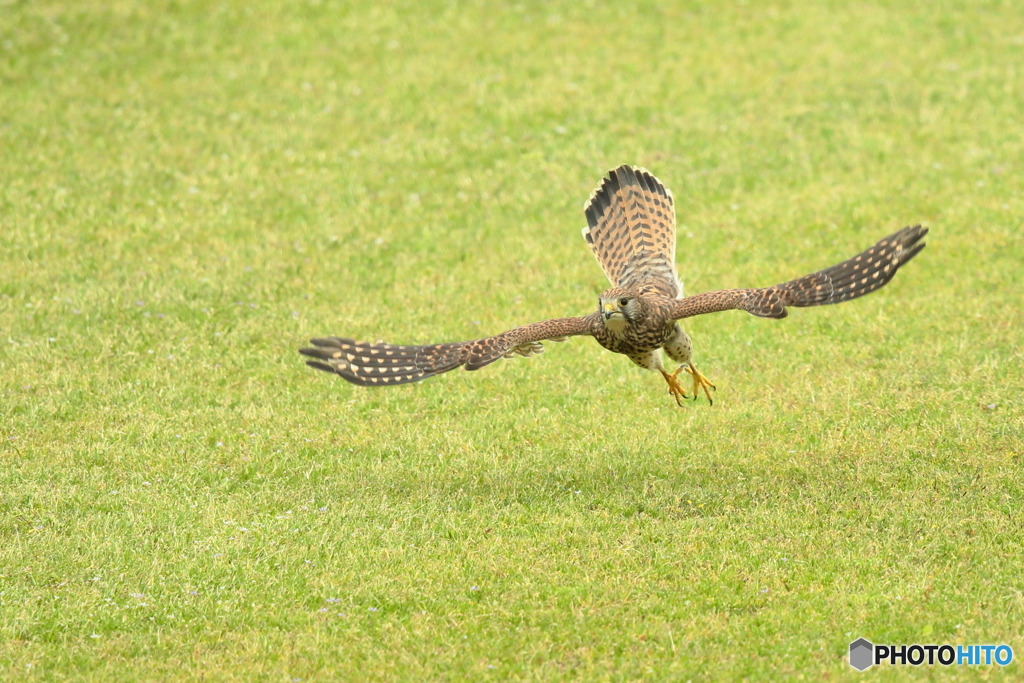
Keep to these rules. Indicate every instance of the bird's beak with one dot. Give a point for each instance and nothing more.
(609, 311)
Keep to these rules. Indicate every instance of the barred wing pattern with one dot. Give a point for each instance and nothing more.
(381, 364)
(631, 228)
(850, 279)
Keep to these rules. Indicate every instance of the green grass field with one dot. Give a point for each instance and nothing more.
(190, 190)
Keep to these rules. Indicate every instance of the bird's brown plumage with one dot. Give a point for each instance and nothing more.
(631, 231)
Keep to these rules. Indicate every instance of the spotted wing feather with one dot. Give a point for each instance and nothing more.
(631, 228)
(855, 277)
(380, 364)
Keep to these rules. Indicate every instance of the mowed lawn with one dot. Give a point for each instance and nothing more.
(190, 190)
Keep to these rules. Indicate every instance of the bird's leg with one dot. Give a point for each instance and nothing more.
(699, 382)
(674, 387)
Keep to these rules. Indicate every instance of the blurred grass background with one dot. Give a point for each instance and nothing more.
(189, 190)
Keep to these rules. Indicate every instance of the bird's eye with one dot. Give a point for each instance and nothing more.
(623, 302)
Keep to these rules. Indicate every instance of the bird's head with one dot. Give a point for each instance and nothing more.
(619, 308)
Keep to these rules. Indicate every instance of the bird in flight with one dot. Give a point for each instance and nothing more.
(631, 228)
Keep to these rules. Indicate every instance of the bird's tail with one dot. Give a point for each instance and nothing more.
(631, 226)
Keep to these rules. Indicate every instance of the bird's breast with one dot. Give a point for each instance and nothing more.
(617, 325)
(627, 338)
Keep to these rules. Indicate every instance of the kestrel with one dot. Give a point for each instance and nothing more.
(631, 228)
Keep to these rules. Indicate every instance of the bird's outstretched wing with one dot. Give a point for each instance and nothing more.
(861, 275)
(631, 228)
(380, 364)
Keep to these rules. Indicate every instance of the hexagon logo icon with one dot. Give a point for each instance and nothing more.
(861, 654)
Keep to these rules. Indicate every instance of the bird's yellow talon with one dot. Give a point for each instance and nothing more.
(674, 387)
(699, 382)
